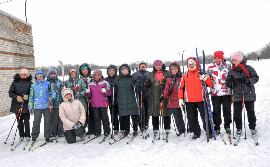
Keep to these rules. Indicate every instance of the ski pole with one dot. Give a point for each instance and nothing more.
(112, 114)
(88, 118)
(17, 128)
(18, 115)
(233, 109)
(243, 105)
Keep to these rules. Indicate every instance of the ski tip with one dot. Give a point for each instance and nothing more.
(12, 149)
(5, 142)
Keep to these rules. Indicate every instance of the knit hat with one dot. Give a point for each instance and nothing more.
(191, 61)
(97, 72)
(66, 91)
(41, 75)
(142, 62)
(84, 66)
(72, 70)
(157, 63)
(238, 56)
(219, 54)
(123, 67)
(50, 71)
(24, 71)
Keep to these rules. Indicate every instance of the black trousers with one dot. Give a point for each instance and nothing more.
(114, 116)
(89, 122)
(57, 124)
(166, 122)
(192, 116)
(24, 124)
(238, 109)
(125, 123)
(178, 116)
(225, 101)
(70, 135)
(144, 116)
(100, 114)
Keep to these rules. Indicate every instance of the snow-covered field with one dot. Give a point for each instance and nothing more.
(179, 151)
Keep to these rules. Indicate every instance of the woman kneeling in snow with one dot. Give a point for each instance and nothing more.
(72, 114)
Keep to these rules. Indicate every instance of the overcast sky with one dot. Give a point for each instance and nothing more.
(124, 31)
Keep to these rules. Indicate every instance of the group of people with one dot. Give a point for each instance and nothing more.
(81, 103)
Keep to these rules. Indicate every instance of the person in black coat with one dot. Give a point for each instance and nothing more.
(241, 79)
(19, 92)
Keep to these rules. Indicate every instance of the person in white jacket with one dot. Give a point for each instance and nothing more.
(72, 114)
(220, 94)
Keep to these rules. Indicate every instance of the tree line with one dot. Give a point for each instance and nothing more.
(263, 53)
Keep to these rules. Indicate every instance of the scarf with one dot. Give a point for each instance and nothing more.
(159, 76)
(243, 68)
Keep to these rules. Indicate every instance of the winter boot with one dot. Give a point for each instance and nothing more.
(27, 139)
(217, 132)
(239, 131)
(195, 137)
(135, 132)
(253, 131)
(228, 131)
(155, 133)
(116, 132)
(21, 138)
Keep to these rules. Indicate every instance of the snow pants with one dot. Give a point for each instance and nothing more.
(125, 123)
(89, 122)
(70, 135)
(114, 116)
(192, 116)
(238, 109)
(145, 111)
(47, 123)
(57, 124)
(100, 114)
(24, 124)
(178, 116)
(225, 101)
(166, 121)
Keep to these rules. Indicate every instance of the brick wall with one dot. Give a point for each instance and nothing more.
(16, 52)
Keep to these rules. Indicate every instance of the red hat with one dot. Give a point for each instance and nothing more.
(219, 54)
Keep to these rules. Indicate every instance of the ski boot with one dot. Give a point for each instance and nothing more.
(195, 137)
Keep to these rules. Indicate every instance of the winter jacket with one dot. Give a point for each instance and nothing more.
(40, 92)
(19, 87)
(218, 74)
(98, 99)
(248, 86)
(87, 79)
(192, 85)
(142, 76)
(71, 112)
(111, 80)
(172, 93)
(56, 83)
(124, 86)
(71, 83)
(156, 92)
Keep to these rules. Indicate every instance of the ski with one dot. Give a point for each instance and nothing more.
(229, 139)
(19, 143)
(31, 146)
(132, 138)
(121, 137)
(41, 145)
(104, 139)
(237, 140)
(26, 144)
(255, 139)
(93, 138)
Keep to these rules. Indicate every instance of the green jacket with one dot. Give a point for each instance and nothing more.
(71, 83)
(126, 98)
(156, 92)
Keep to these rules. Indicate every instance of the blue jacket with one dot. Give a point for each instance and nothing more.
(40, 92)
(58, 89)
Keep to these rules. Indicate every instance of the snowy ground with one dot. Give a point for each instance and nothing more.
(180, 151)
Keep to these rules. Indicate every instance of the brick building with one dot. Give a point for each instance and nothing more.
(16, 52)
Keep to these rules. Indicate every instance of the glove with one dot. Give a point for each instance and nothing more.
(77, 125)
(242, 79)
(25, 97)
(181, 103)
(50, 98)
(203, 77)
(78, 94)
(87, 90)
(19, 99)
(162, 99)
(31, 110)
(103, 90)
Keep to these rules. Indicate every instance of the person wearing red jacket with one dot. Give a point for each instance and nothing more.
(171, 92)
(191, 92)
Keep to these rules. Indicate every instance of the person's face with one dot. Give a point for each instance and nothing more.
(73, 74)
(53, 75)
(68, 96)
(39, 77)
(23, 76)
(97, 77)
(124, 71)
(217, 60)
(174, 71)
(111, 72)
(85, 72)
(236, 62)
(192, 66)
(142, 67)
(158, 67)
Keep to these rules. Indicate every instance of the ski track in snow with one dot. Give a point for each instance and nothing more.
(179, 151)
